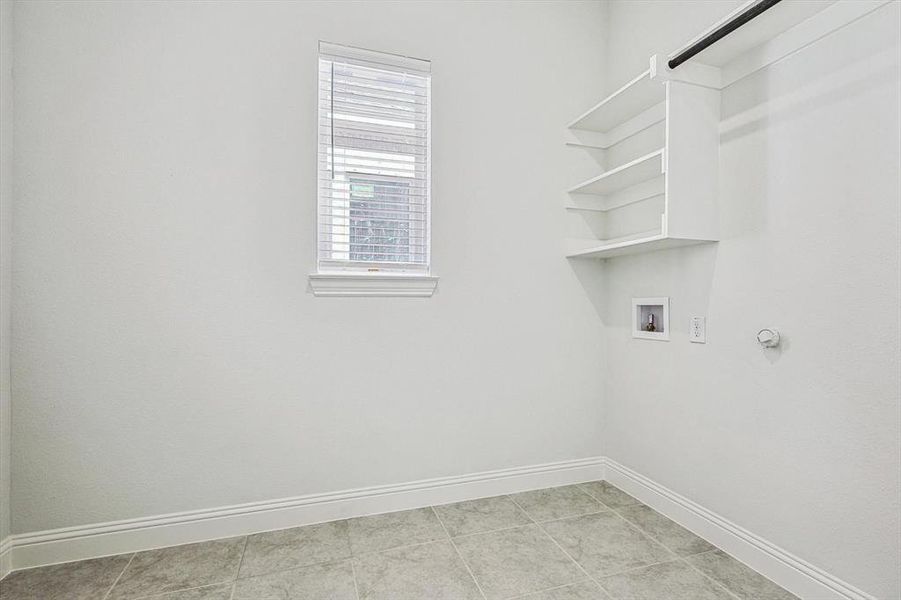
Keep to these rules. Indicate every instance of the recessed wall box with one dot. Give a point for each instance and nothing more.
(650, 318)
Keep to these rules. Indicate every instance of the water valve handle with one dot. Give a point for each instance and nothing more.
(768, 338)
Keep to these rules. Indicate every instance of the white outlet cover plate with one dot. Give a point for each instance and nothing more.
(697, 330)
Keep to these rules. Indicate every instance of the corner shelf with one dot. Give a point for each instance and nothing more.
(637, 96)
(686, 101)
(643, 168)
(680, 178)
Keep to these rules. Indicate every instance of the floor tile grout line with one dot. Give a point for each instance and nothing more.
(459, 554)
(320, 563)
(678, 557)
(567, 554)
(520, 508)
(588, 514)
(180, 590)
(656, 538)
(332, 561)
(709, 578)
(121, 573)
(581, 488)
(550, 589)
(243, 554)
(353, 573)
(512, 527)
(637, 501)
(531, 522)
(718, 549)
(402, 546)
(617, 511)
(231, 596)
(633, 569)
(469, 570)
(595, 498)
(598, 583)
(644, 533)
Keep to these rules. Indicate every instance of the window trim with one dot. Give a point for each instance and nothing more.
(336, 278)
(384, 284)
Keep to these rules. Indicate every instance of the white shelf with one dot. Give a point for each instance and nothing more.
(645, 242)
(641, 169)
(640, 192)
(634, 98)
(585, 208)
(761, 29)
(775, 34)
(586, 145)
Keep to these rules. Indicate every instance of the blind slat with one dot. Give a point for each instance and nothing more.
(365, 179)
(339, 202)
(373, 159)
(330, 217)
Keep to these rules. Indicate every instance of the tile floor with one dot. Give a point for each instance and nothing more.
(577, 542)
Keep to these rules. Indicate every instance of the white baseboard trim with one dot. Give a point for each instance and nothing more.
(23, 551)
(6, 556)
(791, 572)
(119, 537)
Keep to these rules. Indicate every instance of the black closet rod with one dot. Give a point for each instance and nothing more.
(722, 31)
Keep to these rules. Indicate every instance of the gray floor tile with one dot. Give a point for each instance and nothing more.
(586, 590)
(557, 503)
(673, 581)
(604, 543)
(298, 547)
(329, 581)
(517, 561)
(609, 495)
(667, 532)
(211, 592)
(739, 578)
(70, 581)
(431, 571)
(484, 514)
(381, 532)
(180, 567)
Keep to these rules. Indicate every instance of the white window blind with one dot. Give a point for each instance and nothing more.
(374, 113)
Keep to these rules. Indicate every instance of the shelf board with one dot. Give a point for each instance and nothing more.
(584, 208)
(776, 34)
(586, 145)
(641, 169)
(641, 192)
(646, 242)
(632, 99)
(759, 30)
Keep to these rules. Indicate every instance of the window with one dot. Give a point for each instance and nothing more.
(374, 112)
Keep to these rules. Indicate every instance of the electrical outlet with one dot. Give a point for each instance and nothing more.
(697, 330)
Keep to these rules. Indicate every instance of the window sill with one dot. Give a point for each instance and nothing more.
(384, 285)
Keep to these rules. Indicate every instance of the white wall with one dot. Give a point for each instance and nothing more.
(169, 355)
(800, 446)
(6, 199)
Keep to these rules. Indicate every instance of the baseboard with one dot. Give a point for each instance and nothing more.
(6, 556)
(90, 541)
(119, 537)
(792, 573)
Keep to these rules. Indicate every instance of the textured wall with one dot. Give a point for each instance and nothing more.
(169, 355)
(6, 202)
(800, 446)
